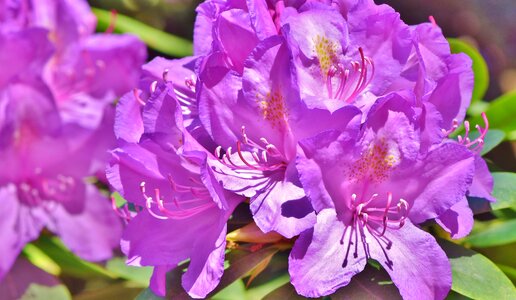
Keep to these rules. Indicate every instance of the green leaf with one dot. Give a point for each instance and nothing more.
(509, 271)
(475, 276)
(492, 139)
(504, 190)
(43, 292)
(500, 113)
(138, 275)
(504, 214)
(456, 296)
(368, 284)
(235, 291)
(500, 254)
(479, 66)
(260, 291)
(494, 233)
(119, 200)
(284, 292)
(241, 263)
(154, 38)
(122, 290)
(41, 260)
(68, 262)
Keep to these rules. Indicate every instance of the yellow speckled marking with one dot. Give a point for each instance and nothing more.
(326, 52)
(272, 107)
(375, 164)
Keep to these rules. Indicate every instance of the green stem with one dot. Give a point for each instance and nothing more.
(156, 39)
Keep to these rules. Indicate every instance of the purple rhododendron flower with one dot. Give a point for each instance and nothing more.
(55, 120)
(370, 188)
(80, 71)
(181, 210)
(332, 117)
(292, 63)
(258, 124)
(458, 220)
(352, 52)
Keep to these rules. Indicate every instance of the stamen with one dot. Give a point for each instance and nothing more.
(124, 214)
(169, 214)
(259, 151)
(385, 217)
(376, 216)
(239, 151)
(244, 135)
(190, 83)
(153, 86)
(343, 79)
(476, 144)
(455, 125)
(136, 94)
(432, 20)
(165, 75)
(112, 22)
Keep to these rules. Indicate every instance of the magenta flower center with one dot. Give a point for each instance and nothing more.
(37, 189)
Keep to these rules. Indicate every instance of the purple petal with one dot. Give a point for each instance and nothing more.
(19, 225)
(162, 118)
(458, 220)
(316, 163)
(169, 244)
(218, 109)
(305, 27)
(268, 96)
(235, 36)
(207, 13)
(283, 207)
(261, 19)
(128, 120)
(102, 68)
(121, 57)
(25, 51)
(158, 280)
(91, 233)
(206, 265)
(392, 119)
(417, 265)
(482, 185)
(316, 261)
(444, 177)
(384, 38)
(449, 77)
(68, 20)
(133, 164)
(18, 280)
(172, 240)
(317, 39)
(179, 70)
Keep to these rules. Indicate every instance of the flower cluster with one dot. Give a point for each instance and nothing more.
(57, 86)
(331, 117)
